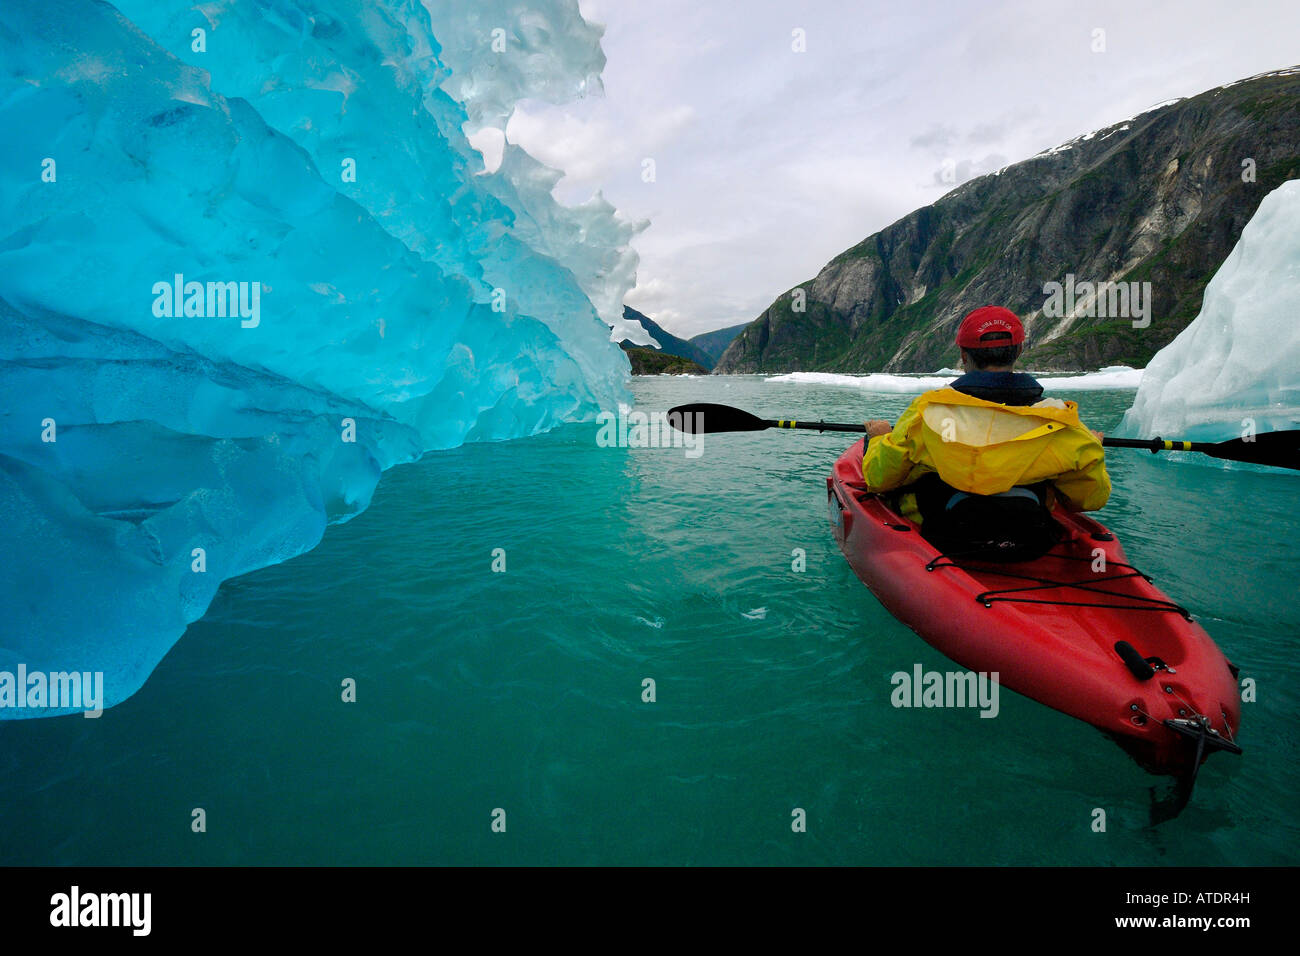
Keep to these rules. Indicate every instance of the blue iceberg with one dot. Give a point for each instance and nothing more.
(249, 260)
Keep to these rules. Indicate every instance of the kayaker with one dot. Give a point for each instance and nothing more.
(980, 464)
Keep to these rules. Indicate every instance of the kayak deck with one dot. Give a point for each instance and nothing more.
(1051, 627)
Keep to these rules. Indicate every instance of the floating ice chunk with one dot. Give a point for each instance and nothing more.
(1111, 377)
(1236, 367)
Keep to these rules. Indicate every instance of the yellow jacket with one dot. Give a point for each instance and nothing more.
(984, 448)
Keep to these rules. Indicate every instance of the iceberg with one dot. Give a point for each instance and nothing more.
(1110, 377)
(250, 260)
(1236, 368)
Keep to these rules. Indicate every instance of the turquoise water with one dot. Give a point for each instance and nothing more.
(522, 690)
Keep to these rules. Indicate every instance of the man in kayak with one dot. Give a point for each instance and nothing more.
(980, 464)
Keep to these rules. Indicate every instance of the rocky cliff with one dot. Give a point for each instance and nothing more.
(1151, 206)
(668, 343)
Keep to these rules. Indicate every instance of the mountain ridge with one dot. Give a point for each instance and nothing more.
(1158, 198)
(714, 343)
(668, 343)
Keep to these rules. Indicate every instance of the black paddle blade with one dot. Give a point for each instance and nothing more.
(1279, 449)
(705, 417)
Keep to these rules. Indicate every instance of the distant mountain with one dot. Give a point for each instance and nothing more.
(646, 361)
(1159, 199)
(669, 344)
(713, 344)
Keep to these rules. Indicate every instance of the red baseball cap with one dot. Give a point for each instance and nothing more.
(989, 318)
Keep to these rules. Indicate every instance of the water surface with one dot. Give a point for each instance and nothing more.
(523, 690)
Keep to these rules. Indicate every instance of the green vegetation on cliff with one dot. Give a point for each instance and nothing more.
(650, 362)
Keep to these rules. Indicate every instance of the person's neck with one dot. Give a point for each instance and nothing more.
(997, 368)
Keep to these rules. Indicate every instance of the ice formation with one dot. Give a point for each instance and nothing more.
(1110, 377)
(1236, 367)
(249, 260)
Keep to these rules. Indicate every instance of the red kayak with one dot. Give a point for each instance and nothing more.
(1103, 645)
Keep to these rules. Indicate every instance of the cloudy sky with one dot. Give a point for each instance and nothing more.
(769, 161)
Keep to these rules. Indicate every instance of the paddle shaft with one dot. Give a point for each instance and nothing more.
(1279, 449)
(819, 426)
(1152, 444)
(1158, 444)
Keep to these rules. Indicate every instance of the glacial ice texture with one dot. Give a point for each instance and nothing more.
(1236, 367)
(162, 431)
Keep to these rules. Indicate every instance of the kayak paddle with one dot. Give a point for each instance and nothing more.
(1278, 449)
